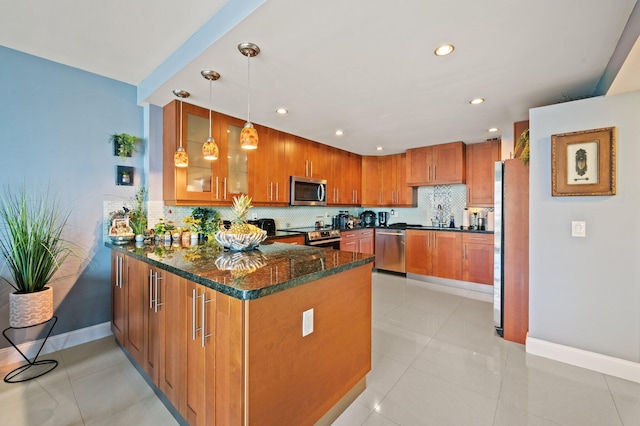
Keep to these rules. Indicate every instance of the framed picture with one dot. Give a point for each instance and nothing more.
(124, 175)
(584, 163)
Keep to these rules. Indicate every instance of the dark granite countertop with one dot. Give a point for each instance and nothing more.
(271, 268)
(439, 228)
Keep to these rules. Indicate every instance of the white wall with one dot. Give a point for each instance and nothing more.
(585, 292)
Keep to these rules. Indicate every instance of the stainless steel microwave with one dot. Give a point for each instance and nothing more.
(308, 191)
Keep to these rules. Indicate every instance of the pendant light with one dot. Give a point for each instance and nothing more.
(210, 148)
(248, 135)
(180, 158)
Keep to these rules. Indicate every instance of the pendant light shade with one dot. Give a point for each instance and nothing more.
(180, 158)
(249, 135)
(209, 147)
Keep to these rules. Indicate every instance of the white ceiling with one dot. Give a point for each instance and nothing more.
(364, 66)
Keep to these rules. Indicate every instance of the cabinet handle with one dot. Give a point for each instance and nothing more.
(150, 289)
(217, 192)
(276, 191)
(337, 195)
(193, 314)
(157, 296)
(225, 188)
(204, 324)
(311, 162)
(465, 252)
(356, 196)
(270, 191)
(306, 168)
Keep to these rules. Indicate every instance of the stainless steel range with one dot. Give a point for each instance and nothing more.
(318, 237)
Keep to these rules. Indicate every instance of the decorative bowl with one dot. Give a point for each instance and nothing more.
(240, 242)
(239, 263)
(122, 238)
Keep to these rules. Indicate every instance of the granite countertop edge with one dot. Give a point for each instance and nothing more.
(230, 290)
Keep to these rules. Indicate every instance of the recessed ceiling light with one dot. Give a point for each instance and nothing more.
(379, 148)
(282, 111)
(492, 129)
(476, 101)
(444, 50)
(339, 132)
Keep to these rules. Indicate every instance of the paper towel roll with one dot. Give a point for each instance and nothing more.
(465, 219)
(490, 221)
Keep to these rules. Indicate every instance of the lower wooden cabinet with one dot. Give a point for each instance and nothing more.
(477, 258)
(358, 240)
(295, 239)
(450, 254)
(119, 286)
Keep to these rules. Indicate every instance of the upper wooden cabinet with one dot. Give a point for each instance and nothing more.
(384, 182)
(436, 165)
(305, 158)
(343, 181)
(203, 182)
(481, 158)
(268, 177)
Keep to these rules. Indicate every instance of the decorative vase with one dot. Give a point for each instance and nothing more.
(27, 309)
(186, 236)
(139, 237)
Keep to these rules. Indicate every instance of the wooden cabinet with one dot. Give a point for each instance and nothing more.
(268, 177)
(136, 310)
(304, 158)
(436, 165)
(480, 165)
(119, 286)
(449, 254)
(358, 240)
(446, 256)
(384, 182)
(477, 258)
(343, 181)
(418, 251)
(203, 182)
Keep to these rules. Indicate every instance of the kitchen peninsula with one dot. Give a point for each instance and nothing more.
(277, 335)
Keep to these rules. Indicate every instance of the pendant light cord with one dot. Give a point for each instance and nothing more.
(180, 123)
(249, 88)
(210, 105)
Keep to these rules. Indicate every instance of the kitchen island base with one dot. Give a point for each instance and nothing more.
(219, 359)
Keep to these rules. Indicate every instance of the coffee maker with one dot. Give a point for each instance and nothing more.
(383, 218)
(368, 218)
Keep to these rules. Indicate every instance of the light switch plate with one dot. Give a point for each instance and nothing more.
(578, 228)
(307, 322)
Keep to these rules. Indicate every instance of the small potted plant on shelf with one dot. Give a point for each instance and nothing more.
(124, 145)
(34, 249)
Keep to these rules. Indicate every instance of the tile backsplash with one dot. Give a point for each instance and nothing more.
(451, 199)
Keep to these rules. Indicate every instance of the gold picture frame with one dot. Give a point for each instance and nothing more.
(584, 163)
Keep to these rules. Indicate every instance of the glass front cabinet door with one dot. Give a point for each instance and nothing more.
(203, 181)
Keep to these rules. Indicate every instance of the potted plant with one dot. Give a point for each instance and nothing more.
(203, 221)
(124, 144)
(138, 214)
(33, 247)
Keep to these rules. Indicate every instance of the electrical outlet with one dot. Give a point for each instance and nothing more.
(307, 322)
(254, 216)
(327, 215)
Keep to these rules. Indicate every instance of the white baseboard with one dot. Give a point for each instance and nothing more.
(580, 358)
(55, 343)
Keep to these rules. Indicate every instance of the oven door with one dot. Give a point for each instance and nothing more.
(333, 243)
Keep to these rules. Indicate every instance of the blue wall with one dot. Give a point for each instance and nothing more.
(55, 123)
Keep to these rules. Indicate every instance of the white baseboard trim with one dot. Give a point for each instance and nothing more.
(580, 358)
(55, 343)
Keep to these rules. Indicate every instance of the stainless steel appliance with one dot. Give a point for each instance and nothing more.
(268, 225)
(368, 218)
(308, 191)
(318, 237)
(383, 218)
(390, 250)
(498, 241)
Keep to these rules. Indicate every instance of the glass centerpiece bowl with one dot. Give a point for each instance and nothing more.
(241, 236)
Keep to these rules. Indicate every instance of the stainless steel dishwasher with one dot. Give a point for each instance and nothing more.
(390, 250)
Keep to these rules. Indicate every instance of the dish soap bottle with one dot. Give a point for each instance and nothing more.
(451, 222)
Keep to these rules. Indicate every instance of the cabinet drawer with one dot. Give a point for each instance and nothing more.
(474, 238)
(356, 233)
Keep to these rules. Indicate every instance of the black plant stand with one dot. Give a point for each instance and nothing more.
(49, 364)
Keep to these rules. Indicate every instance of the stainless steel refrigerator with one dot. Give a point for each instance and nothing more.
(498, 242)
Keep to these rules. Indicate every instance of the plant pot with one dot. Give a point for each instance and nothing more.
(27, 309)
(139, 238)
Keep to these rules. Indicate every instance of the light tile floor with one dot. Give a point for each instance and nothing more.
(436, 361)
